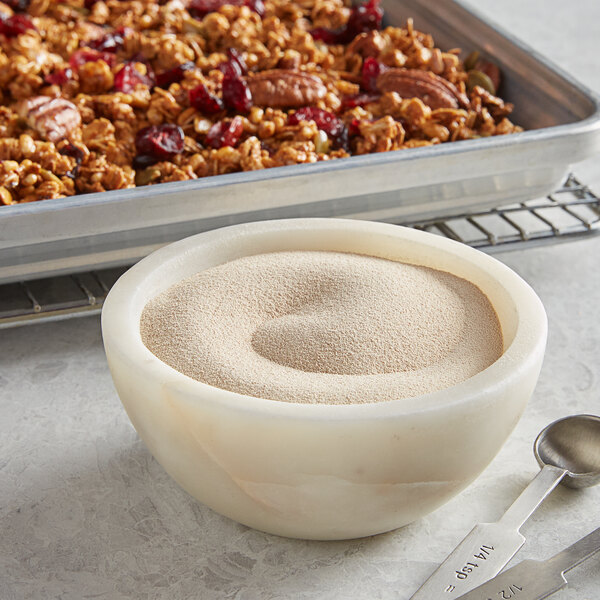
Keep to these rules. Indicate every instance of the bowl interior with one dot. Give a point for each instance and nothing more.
(186, 258)
(519, 310)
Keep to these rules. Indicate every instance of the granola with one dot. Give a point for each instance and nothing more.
(99, 95)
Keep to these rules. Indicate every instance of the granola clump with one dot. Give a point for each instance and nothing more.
(99, 95)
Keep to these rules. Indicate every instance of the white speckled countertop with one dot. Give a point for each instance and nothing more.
(86, 512)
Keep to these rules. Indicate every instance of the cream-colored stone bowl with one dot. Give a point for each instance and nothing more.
(312, 470)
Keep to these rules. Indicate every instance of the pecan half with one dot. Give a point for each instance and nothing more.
(433, 90)
(53, 118)
(284, 88)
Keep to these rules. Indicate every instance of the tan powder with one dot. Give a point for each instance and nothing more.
(323, 327)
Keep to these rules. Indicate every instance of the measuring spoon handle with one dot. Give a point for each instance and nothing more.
(485, 551)
(532, 496)
(536, 580)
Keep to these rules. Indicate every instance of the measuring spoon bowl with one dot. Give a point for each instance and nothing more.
(573, 444)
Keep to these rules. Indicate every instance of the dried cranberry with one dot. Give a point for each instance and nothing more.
(235, 66)
(341, 139)
(128, 78)
(59, 77)
(174, 75)
(159, 141)
(225, 133)
(325, 120)
(139, 57)
(358, 100)
(354, 128)
(201, 99)
(17, 5)
(200, 8)
(15, 25)
(236, 94)
(329, 36)
(73, 151)
(111, 42)
(235, 58)
(238, 60)
(268, 148)
(229, 69)
(76, 153)
(85, 55)
(363, 18)
(89, 3)
(371, 70)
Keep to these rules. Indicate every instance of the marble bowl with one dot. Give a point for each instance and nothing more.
(322, 471)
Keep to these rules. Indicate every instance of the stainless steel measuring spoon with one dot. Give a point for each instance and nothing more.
(535, 579)
(568, 451)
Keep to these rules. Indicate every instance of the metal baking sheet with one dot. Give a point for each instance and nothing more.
(114, 228)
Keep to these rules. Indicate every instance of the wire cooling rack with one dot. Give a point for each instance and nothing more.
(570, 213)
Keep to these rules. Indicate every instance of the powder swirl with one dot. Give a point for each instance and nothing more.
(323, 327)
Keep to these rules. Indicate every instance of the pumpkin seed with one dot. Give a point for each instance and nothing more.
(471, 60)
(146, 176)
(321, 142)
(482, 80)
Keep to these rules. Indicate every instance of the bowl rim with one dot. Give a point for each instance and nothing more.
(121, 336)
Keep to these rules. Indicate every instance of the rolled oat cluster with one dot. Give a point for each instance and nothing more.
(104, 95)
